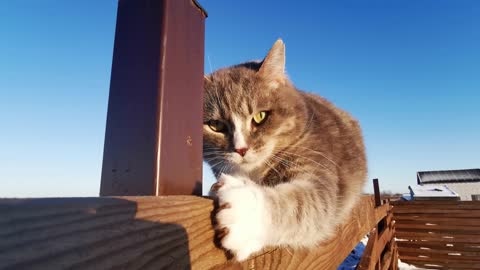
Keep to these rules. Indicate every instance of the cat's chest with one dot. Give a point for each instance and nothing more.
(279, 172)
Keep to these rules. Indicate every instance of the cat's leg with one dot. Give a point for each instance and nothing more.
(299, 213)
(242, 216)
(303, 211)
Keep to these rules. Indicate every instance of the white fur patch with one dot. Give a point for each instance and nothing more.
(238, 137)
(247, 220)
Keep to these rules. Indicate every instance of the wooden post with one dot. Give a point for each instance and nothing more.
(153, 139)
(378, 202)
(376, 192)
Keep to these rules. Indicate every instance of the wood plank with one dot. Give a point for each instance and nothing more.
(439, 228)
(439, 221)
(444, 257)
(420, 234)
(376, 245)
(438, 237)
(388, 255)
(420, 210)
(423, 264)
(435, 215)
(453, 247)
(368, 261)
(148, 233)
(439, 251)
(111, 232)
(434, 202)
(440, 260)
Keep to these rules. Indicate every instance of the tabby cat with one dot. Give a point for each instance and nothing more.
(290, 165)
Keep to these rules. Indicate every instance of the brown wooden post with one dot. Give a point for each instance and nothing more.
(153, 139)
(376, 192)
(378, 202)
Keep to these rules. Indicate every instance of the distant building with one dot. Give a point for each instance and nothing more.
(431, 192)
(466, 183)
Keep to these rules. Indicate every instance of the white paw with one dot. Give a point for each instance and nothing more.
(243, 216)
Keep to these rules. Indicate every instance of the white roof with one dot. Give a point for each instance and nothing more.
(432, 191)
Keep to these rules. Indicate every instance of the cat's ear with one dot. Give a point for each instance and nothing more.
(206, 78)
(273, 66)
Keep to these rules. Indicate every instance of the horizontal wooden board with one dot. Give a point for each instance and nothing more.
(168, 232)
(439, 228)
(419, 250)
(434, 202)
(428, 264)
(439, 260)
(420, 210)
(437, 221)
(445, 257)
(434, 216)
(453, 247)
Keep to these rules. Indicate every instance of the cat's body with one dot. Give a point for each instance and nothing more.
(288, 179)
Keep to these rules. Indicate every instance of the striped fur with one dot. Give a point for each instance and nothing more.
(305, 165)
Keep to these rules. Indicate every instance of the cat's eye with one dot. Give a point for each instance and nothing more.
(216, 126)
(259, 117)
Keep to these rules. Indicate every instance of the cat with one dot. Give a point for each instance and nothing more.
(290, 165)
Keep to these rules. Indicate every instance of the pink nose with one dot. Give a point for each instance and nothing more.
(241, 151)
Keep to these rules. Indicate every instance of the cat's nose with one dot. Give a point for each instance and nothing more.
(241, 151)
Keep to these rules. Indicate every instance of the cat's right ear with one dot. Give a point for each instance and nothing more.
(207, 78)
(273, 66)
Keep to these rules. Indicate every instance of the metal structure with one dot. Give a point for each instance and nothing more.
(153, 139)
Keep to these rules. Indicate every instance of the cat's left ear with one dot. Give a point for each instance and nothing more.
(273, 66)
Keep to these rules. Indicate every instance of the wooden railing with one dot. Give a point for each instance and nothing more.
(381, 250)
(165, 232)
(438, 234)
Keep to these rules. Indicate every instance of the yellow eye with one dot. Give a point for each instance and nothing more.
(259, 117)
(216, 126)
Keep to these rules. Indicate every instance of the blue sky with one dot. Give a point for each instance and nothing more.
(408, 70)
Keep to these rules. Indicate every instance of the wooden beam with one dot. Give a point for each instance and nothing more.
(153, 139)
(173, 232)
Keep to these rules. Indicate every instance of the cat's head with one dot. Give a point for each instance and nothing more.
(250, 111)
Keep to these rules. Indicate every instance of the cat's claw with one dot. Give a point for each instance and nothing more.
(241, 217)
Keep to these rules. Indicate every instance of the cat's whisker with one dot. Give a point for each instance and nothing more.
(301, 170)
(213, 153)
(314, 161)
(272, 167)
(317, 152)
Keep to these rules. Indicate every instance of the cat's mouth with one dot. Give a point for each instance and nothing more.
(253, 159)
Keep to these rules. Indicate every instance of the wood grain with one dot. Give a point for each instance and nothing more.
(438, 234)
(166, 232)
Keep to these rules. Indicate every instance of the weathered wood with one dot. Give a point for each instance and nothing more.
(439, 251)
(438, 233)
(166, 232)
(427, 264)
(378, 244)
(438, 246)
(434, 202)
(138, 232)
(367, 260)
(400, 219)
(439, 210)
(439, 228)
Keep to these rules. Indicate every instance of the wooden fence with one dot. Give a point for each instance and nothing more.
(381, 250)
(164, 232)
(438, 234)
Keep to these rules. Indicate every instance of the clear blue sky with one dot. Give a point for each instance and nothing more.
(408, 70)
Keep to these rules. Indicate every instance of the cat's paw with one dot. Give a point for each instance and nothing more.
(242, 216)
